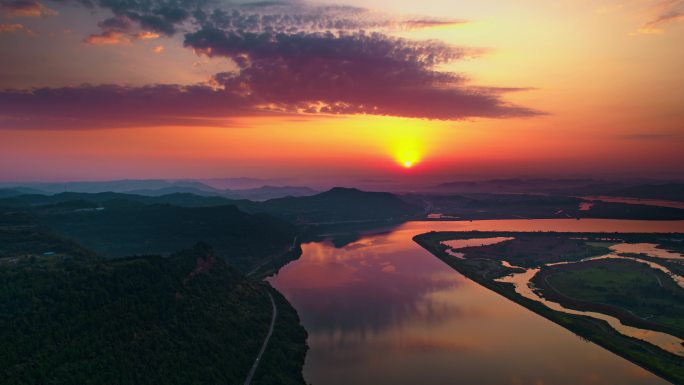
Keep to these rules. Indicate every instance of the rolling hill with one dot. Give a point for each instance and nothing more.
(189, 318)
(339, 205)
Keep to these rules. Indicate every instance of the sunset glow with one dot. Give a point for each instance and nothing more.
(463, 89)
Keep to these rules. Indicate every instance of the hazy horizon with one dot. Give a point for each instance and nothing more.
(516, 184)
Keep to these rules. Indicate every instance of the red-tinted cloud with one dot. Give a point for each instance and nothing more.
(656, 25)
(108, 38)
(292, 17)
(291, 62)
(114, 37)
(107, 106)
(666, 12)
(349, 74)
(25, 8)
(5, 28)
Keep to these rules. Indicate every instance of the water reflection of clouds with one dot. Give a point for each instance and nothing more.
(388, 268)
(425, 323)
(338, 353)
(366, 242)
(371, 307)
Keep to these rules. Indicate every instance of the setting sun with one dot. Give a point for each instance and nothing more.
(406, 140)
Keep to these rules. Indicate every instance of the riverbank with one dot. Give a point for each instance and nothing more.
(554, 284)
(485, 271)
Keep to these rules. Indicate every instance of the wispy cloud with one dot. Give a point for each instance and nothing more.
(25, 8)
(655, 15)
(146, 35)
(665, 13)
(656, 26)
(6, 28)
(114, 37)
(108, 38)
(647, 136)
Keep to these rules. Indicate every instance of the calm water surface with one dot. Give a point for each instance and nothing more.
(384, 311)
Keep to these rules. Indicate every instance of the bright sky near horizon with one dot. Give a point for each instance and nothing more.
(106, 89)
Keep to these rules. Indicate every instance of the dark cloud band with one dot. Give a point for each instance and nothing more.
(301, 59)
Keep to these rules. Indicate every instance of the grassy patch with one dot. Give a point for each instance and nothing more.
(621, 286)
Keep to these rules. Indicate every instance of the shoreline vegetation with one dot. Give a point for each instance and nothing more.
(484, 269)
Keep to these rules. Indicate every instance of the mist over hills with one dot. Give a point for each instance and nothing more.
(649, 189)
(256, 189)
(157, 187)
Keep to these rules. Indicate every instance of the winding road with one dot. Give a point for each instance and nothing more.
(263, 347)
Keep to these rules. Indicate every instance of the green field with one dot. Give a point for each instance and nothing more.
(618, 286)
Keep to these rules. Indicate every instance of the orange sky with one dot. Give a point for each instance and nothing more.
(605, 80)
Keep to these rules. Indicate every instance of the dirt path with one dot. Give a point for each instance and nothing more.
(263, 347)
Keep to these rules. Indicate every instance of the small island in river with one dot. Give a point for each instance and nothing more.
(624, 292)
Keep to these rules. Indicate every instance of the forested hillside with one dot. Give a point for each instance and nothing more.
(185, 319)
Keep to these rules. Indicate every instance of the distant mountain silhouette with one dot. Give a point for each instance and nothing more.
(16, 191)
(340, 204)
(337, 204)
(667, 191)
(270, 192)
(112, 199)
(515, 185)
(124, 185)
(584, 186)
(157, 187)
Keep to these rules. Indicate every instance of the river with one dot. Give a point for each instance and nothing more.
(382, 310)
